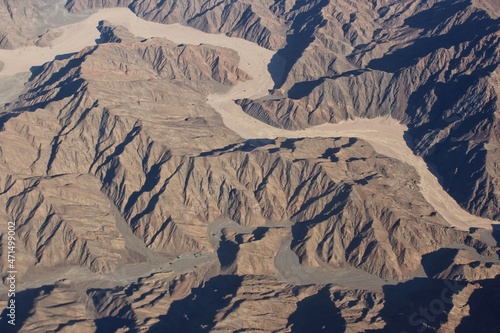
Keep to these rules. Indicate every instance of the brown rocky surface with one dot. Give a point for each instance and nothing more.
(178, 304)
(180, 189)
(339, 61)
(139, 210)
(116, 34)
(22, 21)
(77, 6)
(61, 164)
(183, 303)
(436, 73)
(252, 20)
(461, 264)
(45, 39)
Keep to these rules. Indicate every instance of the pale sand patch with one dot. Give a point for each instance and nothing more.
(385, 134)
(76, 36)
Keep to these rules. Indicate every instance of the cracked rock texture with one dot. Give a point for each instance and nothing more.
(430, 64)
(137, 210)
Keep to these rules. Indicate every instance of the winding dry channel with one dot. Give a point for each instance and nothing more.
(384, 134)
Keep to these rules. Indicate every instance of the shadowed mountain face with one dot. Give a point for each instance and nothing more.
(169, 182)
(25, 23)
(139, 210)
(432, 65)
(197, 312)
(317, 313)
(252, 20)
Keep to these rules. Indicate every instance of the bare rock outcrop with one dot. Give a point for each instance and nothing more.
(138, 210)
(163, 302)
(78, 6)
(38, 184)
(246, 19)
(367, 59)
(116, 34)
(461, 264)
(436, 74)
(45, 39)
(334, 190)
(251, 253)
(22, 21)
(55, 230)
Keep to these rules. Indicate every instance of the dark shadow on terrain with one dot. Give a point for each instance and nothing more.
(259, 233)
(253, 144)
(227, 252)
(25, 303)
(151, 181)
(64, 56)
(419, 305)
(335, 207)
(484, 309)
(246, 146)
(437, 261)
(290, 143)
(4, 117)
(303, 89)
(134, 221)
(440, 12)
(105, 33)
(222, 150)
(452, 157)
(123, 318)
(196, 312)
(317, 313)
(364, 181)
(453, 151)
(477, 26)
(113, 324)
(496, 233)
(409, 140)
(67, 87)
(331, 153)
(447, 95)
(304, 26)
(36, 70)
(119, 149)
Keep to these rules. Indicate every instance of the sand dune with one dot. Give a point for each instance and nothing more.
(385, 134)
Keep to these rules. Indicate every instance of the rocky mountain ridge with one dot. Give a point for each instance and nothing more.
(139, 210)
(421, 57)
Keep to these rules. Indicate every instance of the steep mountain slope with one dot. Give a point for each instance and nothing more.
(73, 136)
(22, 22)
(160, 161)
(432, 65)
(429, 64)
(251, 20)
(139, 210)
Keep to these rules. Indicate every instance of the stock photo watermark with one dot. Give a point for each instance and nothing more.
(425, 316)
(11, 273)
